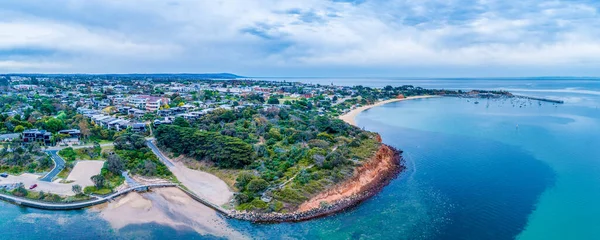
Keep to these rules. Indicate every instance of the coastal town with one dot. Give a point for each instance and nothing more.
(254, 150)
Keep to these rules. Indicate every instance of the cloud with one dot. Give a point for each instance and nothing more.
(302, 37)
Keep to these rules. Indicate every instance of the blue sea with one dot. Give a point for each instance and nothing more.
(500, 169)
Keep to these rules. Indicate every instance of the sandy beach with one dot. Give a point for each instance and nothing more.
(172, 207)
(202, 183)
(350, 116)
(166, 206)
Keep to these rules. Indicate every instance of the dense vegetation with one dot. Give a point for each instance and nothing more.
(17, 159)
(223, 150)
(137, 158)
(286, 152)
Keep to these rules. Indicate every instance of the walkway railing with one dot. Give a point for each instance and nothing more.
(204, 201)
(77, 205)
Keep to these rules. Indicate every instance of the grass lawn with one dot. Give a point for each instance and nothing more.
(291, 99)
(64, 173)
(94, 190)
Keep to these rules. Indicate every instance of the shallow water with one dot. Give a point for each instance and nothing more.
(472, 174)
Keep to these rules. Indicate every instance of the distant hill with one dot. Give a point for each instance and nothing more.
(139, 75)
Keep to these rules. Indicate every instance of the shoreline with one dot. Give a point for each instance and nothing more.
(380, 170)
(369, 179)
(350, 116)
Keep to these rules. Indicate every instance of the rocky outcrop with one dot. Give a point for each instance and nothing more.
(368, 179)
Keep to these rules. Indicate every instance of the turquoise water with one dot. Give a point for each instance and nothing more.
(472, 174)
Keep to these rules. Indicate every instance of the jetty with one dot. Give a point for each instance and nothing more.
(541, 99)
(82, 204)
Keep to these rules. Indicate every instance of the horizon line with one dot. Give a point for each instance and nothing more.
(250, 77)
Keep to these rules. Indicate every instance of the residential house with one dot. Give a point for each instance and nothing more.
(34, 135)
(138, 127)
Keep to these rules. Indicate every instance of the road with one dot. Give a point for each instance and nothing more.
(79, 146)
(159, 154)
(341, 101)
(59, 165)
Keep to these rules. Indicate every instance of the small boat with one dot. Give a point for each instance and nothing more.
(476, 102)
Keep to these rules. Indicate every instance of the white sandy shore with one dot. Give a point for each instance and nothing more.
(350, 116)
(202, 183)
(166, 206)
(172, 207)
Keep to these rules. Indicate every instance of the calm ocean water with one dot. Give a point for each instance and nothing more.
(499, 169)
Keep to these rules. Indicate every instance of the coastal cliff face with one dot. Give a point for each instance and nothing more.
(367, 180)
(370, 176)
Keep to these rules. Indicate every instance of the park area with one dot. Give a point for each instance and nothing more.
(80, 175)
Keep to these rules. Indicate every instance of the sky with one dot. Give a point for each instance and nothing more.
(337, 38)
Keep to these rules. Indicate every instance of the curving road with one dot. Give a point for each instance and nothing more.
(59, 165)
(159, 154)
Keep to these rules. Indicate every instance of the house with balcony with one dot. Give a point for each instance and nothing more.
(73, 133)
(35, 135)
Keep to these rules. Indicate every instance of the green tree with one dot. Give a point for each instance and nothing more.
(114, 164)
(257, 185)
(76, 189)
(19, 129)
(54, 125)
(98, 181)
(179, 121)
(243, 179)
(273, 100)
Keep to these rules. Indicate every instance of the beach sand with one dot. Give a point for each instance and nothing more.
(174, 208)
(202, 183)
(350, 116)
(166, 206)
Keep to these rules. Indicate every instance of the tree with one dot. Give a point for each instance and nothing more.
(149, 168)
(243, 179)
(273, 100)
(19, 129)
(129, 141)
(224, 151)
(84, 128)
(98, 181)
(20, 192)
(179, 121)
(54, 125)
(76, 189)
(257, 185)
(114, 164)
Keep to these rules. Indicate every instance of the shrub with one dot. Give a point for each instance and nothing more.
(68, 153)
(257, 185)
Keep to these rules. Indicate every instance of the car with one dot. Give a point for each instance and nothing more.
(33, 186)
(4, 175)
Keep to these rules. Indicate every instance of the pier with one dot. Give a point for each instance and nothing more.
(541, 99)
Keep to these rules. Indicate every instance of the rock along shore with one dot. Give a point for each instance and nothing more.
(385, 166)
